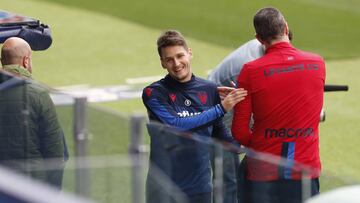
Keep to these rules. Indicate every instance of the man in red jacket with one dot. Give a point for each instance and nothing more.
(285, 95)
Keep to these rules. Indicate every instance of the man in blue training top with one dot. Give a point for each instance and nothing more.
(188, 103)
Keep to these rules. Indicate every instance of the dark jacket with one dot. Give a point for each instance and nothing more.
(31, 139)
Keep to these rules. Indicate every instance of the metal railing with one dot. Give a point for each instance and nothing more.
(109, 159)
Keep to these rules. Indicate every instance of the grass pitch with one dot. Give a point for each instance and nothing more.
(105, 42)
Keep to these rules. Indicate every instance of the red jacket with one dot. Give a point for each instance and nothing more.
(285, 94)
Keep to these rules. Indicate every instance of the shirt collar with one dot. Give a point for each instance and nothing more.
(17, 70)
(171, 80)
(280, 45)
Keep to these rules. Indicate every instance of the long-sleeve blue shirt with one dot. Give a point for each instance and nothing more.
(193, 106)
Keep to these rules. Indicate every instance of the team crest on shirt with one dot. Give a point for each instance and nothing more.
(202, 97)
(148, 91)
(187, 102)
(172, 97)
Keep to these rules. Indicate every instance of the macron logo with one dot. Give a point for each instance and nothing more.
(187, 114)
(289, 132)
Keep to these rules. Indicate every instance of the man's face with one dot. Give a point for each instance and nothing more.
(176, 60)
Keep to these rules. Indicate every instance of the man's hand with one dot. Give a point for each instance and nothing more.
(232, 98)
(224, 90)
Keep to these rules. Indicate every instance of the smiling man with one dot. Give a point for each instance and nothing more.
(188, 103)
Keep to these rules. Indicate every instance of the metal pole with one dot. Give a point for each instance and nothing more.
(218, 176)
(306, 185)
(135, 151)
(80, 138)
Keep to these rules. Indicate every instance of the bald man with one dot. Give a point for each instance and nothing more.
(31, 139)
(16, 51)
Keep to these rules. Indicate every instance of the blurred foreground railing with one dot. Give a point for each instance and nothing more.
(110, 161)
(16, 188)
(168, 143)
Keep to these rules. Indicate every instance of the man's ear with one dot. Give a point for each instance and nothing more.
(286, 31)
(25, 62)
(190, 52)
(162, 63)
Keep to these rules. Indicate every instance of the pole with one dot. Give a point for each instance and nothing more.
(218, 176)
(80, 138)
(136, 152)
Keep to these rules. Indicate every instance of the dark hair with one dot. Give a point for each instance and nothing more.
(170, 38)
(269, 24)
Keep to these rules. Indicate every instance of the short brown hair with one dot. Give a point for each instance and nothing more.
(269, 24)
(170, 38)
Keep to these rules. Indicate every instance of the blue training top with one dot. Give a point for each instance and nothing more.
(191, 106)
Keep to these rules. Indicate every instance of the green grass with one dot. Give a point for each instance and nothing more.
(108, 132)
(98, 49)
(329, 30)
(108, 135)
(339, 134)
(108, 183)
(105, 42)
(345, 5)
